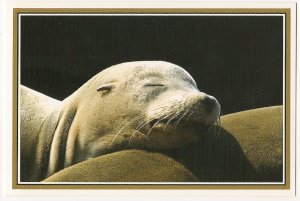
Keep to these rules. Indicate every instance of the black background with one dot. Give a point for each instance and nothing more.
(237, 59)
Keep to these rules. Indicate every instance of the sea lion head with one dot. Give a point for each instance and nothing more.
(145, 104)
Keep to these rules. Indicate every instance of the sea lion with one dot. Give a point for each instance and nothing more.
(126, 166)
(247, 147)
(142, 105)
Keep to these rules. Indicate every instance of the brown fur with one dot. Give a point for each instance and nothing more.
(247, 147)
(126, 166)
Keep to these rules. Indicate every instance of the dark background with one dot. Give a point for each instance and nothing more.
(237, 59)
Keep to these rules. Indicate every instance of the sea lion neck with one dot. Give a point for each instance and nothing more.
(66, 116)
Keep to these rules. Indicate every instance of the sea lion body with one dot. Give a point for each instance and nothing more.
(143, 105)
(39, 117)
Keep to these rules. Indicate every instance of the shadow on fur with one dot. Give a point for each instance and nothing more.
(218, 157)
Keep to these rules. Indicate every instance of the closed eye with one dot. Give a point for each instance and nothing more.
(154, 85)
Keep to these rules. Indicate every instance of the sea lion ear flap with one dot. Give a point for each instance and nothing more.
(106, 87)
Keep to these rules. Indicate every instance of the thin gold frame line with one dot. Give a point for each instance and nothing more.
(155, 10)
(285, 11)
(287, 96)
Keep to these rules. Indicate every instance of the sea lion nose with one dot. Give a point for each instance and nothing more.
(209, 103)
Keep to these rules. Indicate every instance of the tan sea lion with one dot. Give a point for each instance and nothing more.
(248, 147)
(126, 166)
(143, 105)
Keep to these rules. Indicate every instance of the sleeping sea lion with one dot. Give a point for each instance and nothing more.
(141, 105)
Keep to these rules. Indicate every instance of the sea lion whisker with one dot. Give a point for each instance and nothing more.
(162, 118)
(188, 117)
(138, 117)
(154, 126)
(138, 129)
(175, 115)
(141, 125)
(183, 115)
(193, 110)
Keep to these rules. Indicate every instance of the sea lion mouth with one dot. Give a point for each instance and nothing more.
(167, 124)
(172, 133)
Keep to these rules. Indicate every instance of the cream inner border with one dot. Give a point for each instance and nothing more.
(179, 186)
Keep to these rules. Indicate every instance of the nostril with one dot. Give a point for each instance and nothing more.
(209, 104)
